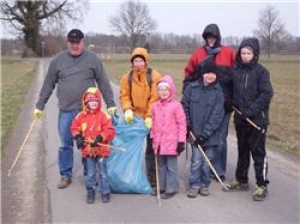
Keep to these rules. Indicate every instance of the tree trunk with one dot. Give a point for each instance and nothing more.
(31, 38)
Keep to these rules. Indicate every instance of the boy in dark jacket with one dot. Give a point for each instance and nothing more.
(252, 96)
(203, 102)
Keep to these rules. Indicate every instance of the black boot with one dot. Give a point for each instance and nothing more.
(90, 197)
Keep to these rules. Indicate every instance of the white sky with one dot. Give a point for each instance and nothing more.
(235, 18)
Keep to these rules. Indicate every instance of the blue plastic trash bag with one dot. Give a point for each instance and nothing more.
(125, 169)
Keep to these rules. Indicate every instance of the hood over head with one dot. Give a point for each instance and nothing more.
(140, 52)
(169, 80)
(91, 94)
(212, 30)
(253, 43)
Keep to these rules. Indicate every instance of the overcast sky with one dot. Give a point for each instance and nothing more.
(235, 18)
(238, 18)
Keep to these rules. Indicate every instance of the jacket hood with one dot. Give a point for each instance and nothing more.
(94, 91)
(212, 29)
(168, 79)
(253, 43)
(140, 52)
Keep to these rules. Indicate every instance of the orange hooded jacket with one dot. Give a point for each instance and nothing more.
(141, 97)
(90, 123)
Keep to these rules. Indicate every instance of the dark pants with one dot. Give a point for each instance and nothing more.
(150, 162)
(250, 141)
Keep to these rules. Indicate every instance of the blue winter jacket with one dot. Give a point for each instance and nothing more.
(203, 106)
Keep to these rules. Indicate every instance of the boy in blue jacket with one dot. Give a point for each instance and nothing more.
(203, 103)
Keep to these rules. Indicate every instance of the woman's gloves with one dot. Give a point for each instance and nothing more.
(128, 116)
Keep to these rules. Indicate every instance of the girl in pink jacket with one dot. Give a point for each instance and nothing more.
(168, 133)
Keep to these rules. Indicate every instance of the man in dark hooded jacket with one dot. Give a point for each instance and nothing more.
(223, 57)
(251, 96)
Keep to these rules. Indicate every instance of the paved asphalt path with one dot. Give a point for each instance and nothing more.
(69, 206)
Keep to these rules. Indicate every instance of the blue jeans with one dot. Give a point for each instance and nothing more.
(220, 159)
(97, 166)
(200, 171)
(65, 152)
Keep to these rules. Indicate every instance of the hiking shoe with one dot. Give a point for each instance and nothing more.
(192, 193)
(64, 183)
(167, 195)
(90, 197)
(105, 198)
(237, 186)
(260, 193)
(204, 191)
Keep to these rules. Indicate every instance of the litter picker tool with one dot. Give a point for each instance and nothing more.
(22, 146)
(109, 146)
(257, 135)
(262, 130)
(224, 187)
(157, 180)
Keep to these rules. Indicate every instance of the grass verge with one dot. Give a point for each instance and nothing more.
(16, 78)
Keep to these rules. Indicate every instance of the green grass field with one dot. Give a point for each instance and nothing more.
(284, 130)
(16, 77)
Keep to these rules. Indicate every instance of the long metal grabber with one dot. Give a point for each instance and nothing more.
(262, 130)
(224, 187)
(109, 146)
(22, 146)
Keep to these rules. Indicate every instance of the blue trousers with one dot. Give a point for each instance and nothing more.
(65, 152)
(168, 173)
(220, 156)
(200, 171)
(97, 168)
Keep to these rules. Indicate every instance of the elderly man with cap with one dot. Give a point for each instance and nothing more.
(73, 71)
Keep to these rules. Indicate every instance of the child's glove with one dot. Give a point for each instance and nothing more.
(38, 113)
(79, 141)
(180, 147)
(243, 116)
(97, 140)
(200, 140)
(148, 122)
(112, 111)
(128, 116)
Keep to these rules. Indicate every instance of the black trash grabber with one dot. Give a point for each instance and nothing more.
(224, 187)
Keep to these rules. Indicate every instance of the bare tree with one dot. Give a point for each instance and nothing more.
(133, 20)
(26, 17)
(270, 27)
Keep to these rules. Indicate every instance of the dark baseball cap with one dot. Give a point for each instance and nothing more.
(75, 36)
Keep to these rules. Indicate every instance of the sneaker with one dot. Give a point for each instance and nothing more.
(192, 193)
(237, 186)
(167, 195)
(90, 197)
(260, 193)
(105, 198)
(204, 191)
(64, 183)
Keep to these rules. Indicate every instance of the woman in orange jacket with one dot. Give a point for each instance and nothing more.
(137, 94)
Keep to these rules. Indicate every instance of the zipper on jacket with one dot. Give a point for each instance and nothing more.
(246, 81)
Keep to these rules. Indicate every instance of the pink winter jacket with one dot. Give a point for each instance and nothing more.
(169, 122)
